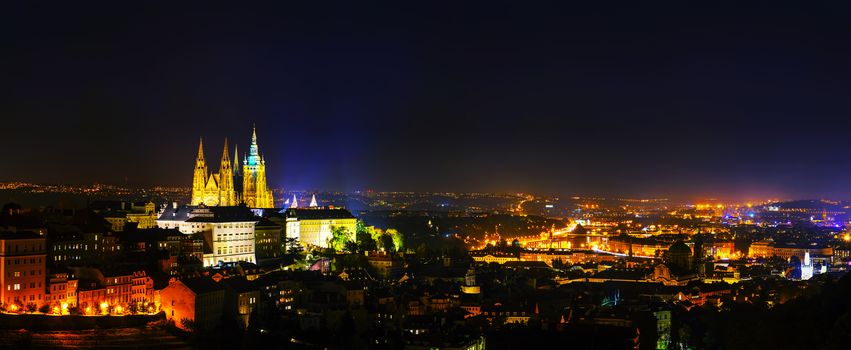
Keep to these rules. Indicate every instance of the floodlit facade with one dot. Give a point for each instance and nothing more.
(228, 232)
(806, 267)
(314, 226)
(22, 269)
(194, 304)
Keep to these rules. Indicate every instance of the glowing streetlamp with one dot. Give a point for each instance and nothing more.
(104, 307)
(64, 308)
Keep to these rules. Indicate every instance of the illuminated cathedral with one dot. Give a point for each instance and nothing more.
(225, 188)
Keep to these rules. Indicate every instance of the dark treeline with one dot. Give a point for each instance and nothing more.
(819, 320)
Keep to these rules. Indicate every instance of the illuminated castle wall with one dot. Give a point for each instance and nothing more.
(221, 189)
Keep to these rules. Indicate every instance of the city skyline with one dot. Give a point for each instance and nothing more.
(665, 101)
(425, 175)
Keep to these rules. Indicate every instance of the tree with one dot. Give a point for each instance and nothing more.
(361, 227)
(296, 250)
(397, 238)
(339, 237)
(293, 246)
(351, 247)
(187, 324)
(386, 243)
(365, 241)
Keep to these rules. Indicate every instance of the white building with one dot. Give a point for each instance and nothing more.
(313, 226)
(806, 267)
(228, 231)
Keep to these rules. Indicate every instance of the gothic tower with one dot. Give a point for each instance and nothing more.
(255, 192)
(227, 194)
(199, 178)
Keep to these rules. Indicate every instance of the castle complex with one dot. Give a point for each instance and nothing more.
(228, 187)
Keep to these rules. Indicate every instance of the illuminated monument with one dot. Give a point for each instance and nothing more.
(255, 194)
(221, 190)
(806, 267)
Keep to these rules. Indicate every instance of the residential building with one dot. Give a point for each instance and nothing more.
(22, 268)
(267, 239)
(193, 304)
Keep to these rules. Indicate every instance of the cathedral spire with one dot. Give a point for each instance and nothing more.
(235, 159)
(227, 193)
(225, 155)
(253, 134)
(199, 177)
(253, 151)
(200, 149)
(256, 193)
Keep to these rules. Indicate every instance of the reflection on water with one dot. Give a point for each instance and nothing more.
(127, 338)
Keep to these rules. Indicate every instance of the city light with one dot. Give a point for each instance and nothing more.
(521, 175)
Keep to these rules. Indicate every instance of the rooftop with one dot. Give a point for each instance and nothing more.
(18, 235)
(201, 285)
(318, 213)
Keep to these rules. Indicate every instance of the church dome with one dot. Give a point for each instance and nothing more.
(679, 248)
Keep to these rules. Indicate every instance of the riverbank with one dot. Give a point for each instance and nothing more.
(41, 322)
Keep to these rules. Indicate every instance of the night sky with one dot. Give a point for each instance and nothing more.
(673, 100)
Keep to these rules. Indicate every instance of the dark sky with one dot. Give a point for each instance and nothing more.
(673, 100)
